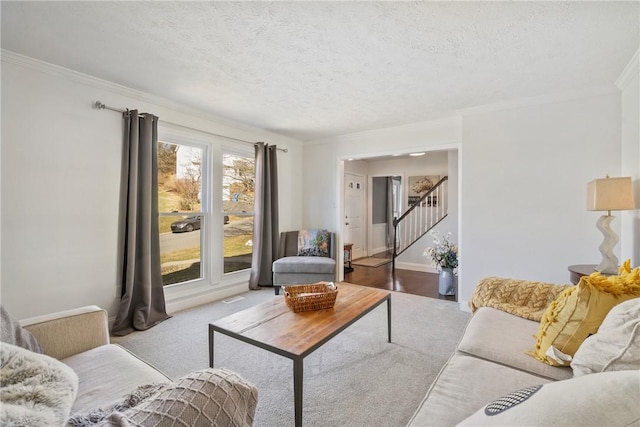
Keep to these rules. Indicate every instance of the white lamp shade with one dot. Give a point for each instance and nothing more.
(610, 194)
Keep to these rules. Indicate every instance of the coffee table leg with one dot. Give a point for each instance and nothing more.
(210, 346)
(298, 376)
(389, 318)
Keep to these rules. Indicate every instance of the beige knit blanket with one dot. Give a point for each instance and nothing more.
(521, 298)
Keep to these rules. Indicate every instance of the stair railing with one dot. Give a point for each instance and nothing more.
(421, 217)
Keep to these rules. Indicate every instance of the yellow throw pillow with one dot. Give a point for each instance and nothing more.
(579, 311)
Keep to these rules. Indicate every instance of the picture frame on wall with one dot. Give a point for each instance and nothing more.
(418, 186)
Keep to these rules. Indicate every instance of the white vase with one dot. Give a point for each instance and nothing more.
(447, 282)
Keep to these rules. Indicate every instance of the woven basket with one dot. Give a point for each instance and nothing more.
(317, 296)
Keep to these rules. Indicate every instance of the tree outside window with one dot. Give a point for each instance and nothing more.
(238, 207)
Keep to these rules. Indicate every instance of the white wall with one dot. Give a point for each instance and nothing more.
(61, 163)
(524, 176)
(523, 179)
(629, 85)
(523, 169)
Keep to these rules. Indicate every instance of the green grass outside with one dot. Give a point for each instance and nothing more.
(236, 245)
(178, 274)
(181, 255)
(233, 247)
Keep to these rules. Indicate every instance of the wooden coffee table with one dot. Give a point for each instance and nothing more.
(274, 327)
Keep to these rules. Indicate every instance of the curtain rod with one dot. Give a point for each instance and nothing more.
(100, 106)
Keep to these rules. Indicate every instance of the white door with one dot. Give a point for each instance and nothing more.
(353, 225)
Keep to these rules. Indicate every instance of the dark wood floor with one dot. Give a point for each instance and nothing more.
(408, 281)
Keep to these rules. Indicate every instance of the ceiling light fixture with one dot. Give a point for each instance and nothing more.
(417, 154)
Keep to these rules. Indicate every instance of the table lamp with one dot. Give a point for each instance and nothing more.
(609, 194)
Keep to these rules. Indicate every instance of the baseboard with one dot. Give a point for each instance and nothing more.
(377, 250)
(212, 295)
(414, 266)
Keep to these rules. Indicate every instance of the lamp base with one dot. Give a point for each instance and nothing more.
(609, 263)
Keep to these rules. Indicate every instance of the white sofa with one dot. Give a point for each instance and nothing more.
(107, 373)
(491, 361)
(80, 339)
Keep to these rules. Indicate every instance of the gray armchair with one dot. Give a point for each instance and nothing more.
(291, 269)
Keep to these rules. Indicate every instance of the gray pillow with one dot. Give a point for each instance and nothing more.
(12, 333)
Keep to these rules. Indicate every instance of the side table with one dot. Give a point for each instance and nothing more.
(347, 257)
(579, 270)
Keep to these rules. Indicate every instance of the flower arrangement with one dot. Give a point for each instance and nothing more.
(444, 254)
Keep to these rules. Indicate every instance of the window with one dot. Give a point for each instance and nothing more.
(206, 208)
(238, 183)
(182, 215)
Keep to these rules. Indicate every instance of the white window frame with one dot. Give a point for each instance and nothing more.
(212, 239)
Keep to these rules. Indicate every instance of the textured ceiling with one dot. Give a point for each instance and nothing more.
(315, 69)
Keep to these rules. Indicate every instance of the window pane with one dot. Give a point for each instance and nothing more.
(237, 204)
(238, 184)
(180, 193)
(238, 243)
(179, 178)
(180, 252)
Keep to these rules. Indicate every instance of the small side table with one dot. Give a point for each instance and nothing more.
(579, 270)
(347, 257)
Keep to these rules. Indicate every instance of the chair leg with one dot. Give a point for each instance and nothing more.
(276, 289)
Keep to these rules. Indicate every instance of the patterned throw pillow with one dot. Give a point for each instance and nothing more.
(313, 242)
(210, 397)
(579, 311)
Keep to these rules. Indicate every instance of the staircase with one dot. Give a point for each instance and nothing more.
(421, 217)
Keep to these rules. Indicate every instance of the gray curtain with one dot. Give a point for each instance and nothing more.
(142, 302)
(389, 239)
(265, 220)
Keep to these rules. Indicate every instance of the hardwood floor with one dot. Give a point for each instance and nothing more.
(408, 281)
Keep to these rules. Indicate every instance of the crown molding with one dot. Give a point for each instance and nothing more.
(630, 71)
(67, 74)
(452, 119)
(98, 83)
(540, 100)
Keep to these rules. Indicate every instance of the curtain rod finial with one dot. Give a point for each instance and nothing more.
(99, 105)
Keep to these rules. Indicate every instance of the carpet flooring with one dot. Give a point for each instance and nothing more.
(355, 379)
(371, 262)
